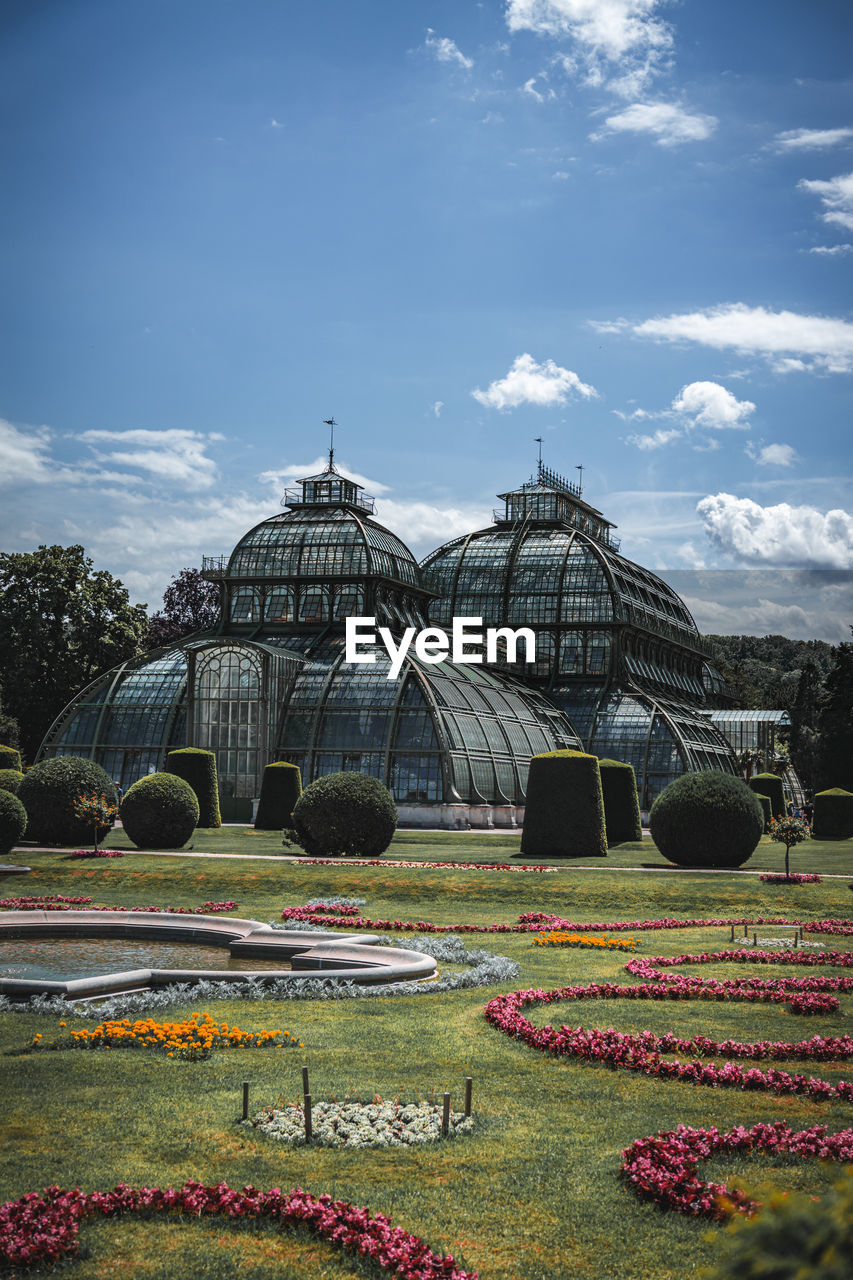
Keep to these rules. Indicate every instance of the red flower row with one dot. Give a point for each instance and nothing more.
(57, 902)
(391, 862)
(663, 1168)
(96, 853)
(43, 1228)
(796, 877)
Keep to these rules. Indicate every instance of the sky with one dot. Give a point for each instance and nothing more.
(625, 226)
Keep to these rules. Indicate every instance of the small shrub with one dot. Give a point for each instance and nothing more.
(564, 809)
(10, 758)
(159, 811)
(13, 821)
(198, 768)
(48, 793)
(345, 813)
(789, 832)
(706, 819)
(621, 803)
(770, 785)
(97, 812)
(10, 780)
(833, 814)
(281, 787)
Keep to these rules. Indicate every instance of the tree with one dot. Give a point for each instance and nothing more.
(835, 722)
(802, 739)
(61, 623)
(789, 832)
(190, 604)
(10, 730)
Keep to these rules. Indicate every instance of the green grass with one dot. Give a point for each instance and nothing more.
(534, 1193)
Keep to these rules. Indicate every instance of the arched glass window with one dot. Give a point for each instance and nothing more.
(228, 715)
(244, 605)
(279, 605)
(314, 604)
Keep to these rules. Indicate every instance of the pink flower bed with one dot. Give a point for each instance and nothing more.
(44, 1228)
(796, 877)
(389, 862)
(96, 853)
(663, 1167)
(58, 902)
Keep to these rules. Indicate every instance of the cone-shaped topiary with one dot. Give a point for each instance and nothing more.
(281, 787)
(159, 811)
(13, 821)
(10, 780)
(198, 768)
(621, 803)
(833, 814)
(707, 820)
(345, 813)
(10, 758)
(564, 810)
(766, 809)
(770, 784)
(48, 792)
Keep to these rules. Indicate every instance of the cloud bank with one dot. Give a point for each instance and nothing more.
(530, 383)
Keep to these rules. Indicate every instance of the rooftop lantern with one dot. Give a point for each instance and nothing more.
(329, 488)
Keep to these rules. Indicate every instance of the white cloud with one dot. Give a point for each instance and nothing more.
(560, 175)
(530, 383)
(529, 87)
(172, 454)
(811, 139)
(655, 441)
(25, 455)
(444, 50)
(276, 124)
(781, 535)
(791, 340)
(437, 408)
(710, 405)
(774, 455)
(622, 36)
(423, 526)
(837, 197)
(492, 117)
(831, 250)
(669, 123)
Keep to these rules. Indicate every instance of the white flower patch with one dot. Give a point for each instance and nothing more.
(355, 1124)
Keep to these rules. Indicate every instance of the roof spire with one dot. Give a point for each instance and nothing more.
(579, 468)
(538, 440)
(331, 424)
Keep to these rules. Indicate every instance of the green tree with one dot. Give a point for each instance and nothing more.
(835, 722)
(61, 623)
(189, 604)
(802, 740)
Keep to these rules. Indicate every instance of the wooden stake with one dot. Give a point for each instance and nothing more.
(245, 1099)
(308, 1128)
(445, 1116)
(468, 1086)
(306, 1088)
(754, 942)
(733, 934)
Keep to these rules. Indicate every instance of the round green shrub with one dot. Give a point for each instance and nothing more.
(564, 808)
(10, 780)
(766, 809)
(707, 819)
(10, 758)
(621, 803)
(13, 821)
(159, 811)
(198, 768)
(48, 792)
(770, 784)
(345, 813)
(281, 787)
(833, 814)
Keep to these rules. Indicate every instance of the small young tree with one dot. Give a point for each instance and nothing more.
(97, 812)
(789, 832)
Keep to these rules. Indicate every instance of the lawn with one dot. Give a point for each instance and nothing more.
(535, 1191)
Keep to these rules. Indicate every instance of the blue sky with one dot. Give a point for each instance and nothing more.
(623, 225)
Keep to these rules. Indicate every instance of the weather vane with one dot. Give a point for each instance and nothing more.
(579, 468)
(538, 440)
(331, 424)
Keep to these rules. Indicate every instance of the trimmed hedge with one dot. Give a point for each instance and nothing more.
(766, 809)
(13, 821)
(707, 819)
(281, 787)
(833, 814)
(564, 810)
(159, 811)
(10, 780)
(10, 758)
(198, 768)
(349, 814)
(770, 785)
(621, 802)
(48, 792)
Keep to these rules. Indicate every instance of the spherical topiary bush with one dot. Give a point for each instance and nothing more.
(281, 787)
(707, 820)
(159, 812)
(10, 780)
(345, 813)
(833, 814)
(621, 803)
(10, 758)
(770, 784)
(198, 768)
(13, 821)
(564, 808)
(48, 793)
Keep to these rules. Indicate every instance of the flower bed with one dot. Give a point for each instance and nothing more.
(58, 902)
(195, 1037)
(559, 938)
(397, 862)
(796, 877)
(663, 1167)
(354, 1124)
(44, 1228)
(96, 853)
